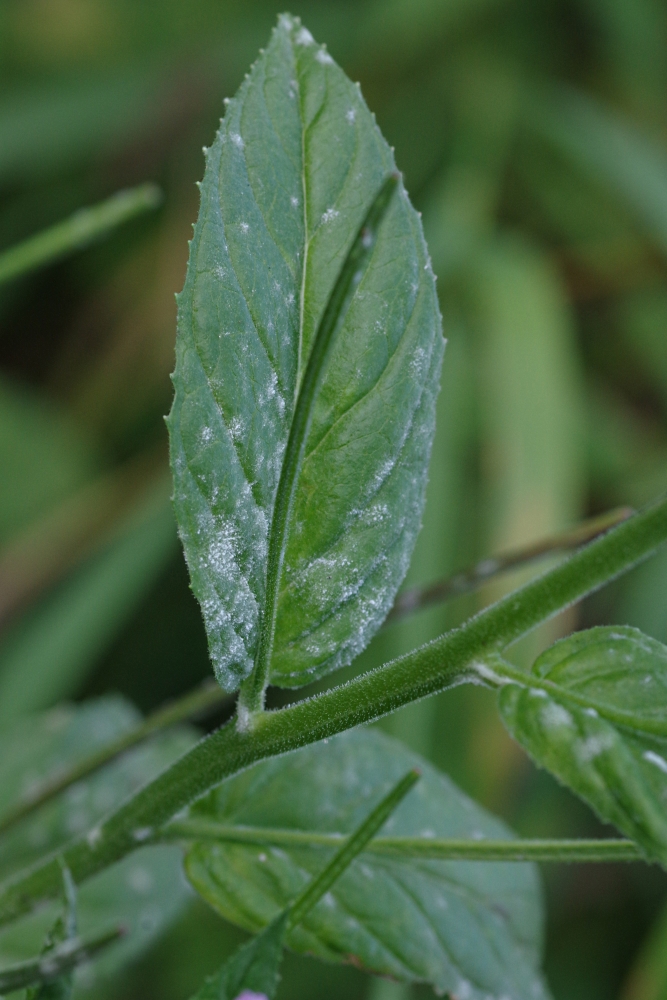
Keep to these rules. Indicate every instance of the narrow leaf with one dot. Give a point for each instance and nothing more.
(76, 232)
(463, 927)
(592, 712)
(254, 967)
(294, 168)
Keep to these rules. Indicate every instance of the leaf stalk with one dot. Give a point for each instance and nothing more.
(426, 848)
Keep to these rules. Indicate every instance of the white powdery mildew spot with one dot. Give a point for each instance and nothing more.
(655, 758)
(94, 837)
(463, 990)
(304, 37)
(590, 748)
(555, 716)
(244, 227)
(207, 434)
(375, 514)
(142, 833)
(237, 140)
(419, 363)
(324, 58)
(382, 473)
(351, 115)
(236, 428)
(329, 215)
(294, 201)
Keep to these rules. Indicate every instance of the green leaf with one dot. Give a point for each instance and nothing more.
(460, 926)
(254, 967)
(145, 891)
(593, 713)
(295, 165)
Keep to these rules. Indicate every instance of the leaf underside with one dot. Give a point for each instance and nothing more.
(295, 164)
(471, 929)
(600, 747)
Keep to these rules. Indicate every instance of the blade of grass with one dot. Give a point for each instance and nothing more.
(354, 845)
(489, 569)
(57, 542)
(78, 231)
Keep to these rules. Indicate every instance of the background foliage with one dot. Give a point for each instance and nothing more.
(534, 140)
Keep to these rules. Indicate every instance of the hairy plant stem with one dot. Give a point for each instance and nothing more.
(427, 848)
(440, 664)
(251, 697)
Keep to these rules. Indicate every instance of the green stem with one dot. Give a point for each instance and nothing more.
(490, 569)
(48, 967)
(251, 698)
(206, 697)
(80, 229)
(427, 848)
(447, 661)
(353, 846)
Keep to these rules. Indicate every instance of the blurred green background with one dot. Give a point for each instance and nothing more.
(533, 137)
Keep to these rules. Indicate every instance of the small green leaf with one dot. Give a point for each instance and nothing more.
(593, 713)
(253, 968)
(463, 927)
(294, 168)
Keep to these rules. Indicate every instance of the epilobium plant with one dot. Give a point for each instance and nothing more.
(308, 359)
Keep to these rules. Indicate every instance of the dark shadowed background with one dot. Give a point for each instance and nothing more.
(533, 137)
